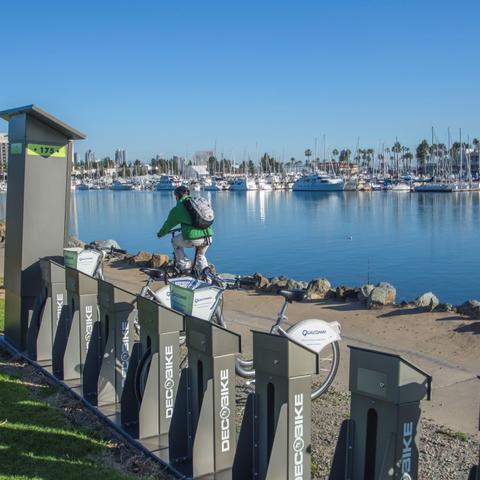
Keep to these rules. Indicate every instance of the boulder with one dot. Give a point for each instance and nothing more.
(383, 294)
(141, 259)
(158, 260)
(261, 282)
(365, 291)
(318, 288)
(471, 308)
(428, 300)
(344, 292)
(294, 284)
(106, 243)
(444, 307)
(75, 242)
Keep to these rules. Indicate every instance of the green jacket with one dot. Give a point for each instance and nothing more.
(179, 215)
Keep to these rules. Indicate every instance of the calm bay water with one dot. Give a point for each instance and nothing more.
(418, 242)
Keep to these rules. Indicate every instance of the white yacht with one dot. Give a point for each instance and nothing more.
(166, 182)
(243, 184)
(121, 185)
(318, 183)
(401, 187)
(264, 184)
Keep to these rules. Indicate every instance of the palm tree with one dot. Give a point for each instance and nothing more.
(308, 154)
(396, 149)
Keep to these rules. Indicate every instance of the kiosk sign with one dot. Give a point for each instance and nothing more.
(40, 150)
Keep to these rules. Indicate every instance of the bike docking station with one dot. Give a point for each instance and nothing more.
(47, 313)
(38, 206)
(115, 341)
(275, 436)
(83, 320)
(202, 437)
(381, 438)
(147, 409)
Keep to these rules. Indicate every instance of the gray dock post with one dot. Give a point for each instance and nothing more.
(117, 315)
(275, 439)
(381, 439)
(202, 438)
(38, 206)
(146, 410)
(82, 313)
(48, 311)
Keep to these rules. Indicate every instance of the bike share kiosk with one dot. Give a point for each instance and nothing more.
(82, 316)
(202, 438)
(117, 330)
(38, 205)
(47, 312)
(275, 438)
(153, 371)
(381, 439)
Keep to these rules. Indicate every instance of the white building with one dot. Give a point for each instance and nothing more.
(201, 157)
(196, 172)
(120, 157)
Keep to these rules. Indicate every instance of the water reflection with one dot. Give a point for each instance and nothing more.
(419, 242)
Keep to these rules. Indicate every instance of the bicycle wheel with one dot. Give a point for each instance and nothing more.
(328, 361)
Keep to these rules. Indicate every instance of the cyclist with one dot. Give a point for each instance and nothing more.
(190, 236)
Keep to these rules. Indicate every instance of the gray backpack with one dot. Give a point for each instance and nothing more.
(200, 211)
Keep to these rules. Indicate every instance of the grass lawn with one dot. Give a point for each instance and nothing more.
(38, 442)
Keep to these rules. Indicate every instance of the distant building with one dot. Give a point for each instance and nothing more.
(201, 157)
(120, 157)
(196, 172)
(76, 158)
(89, 156)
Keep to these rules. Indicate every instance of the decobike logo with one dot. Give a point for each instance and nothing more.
(225, 410)
(59, 306)
(407, 450)
(124, 355)
(88, 325)
(298, 441)
(169, 383)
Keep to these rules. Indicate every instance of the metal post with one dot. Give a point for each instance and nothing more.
(277, 419)
(117, 315)
(38, 201)
(203, 434)
(381, 439)
(153, 375)
(48, 312)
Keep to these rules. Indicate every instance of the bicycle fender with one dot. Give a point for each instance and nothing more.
(315, 334)
(162, 296)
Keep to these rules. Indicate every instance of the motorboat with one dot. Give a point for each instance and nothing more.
(434, 187)
(243, 184)
(318, 183)
(120, 185)
(166, 182)
(401, 187)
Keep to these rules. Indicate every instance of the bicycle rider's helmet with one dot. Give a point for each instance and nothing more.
(181, 190)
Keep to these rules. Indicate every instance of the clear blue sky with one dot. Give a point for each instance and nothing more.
(175, 77)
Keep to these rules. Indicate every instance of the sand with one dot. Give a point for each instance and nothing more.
(445, 345)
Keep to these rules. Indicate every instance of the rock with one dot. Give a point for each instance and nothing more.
(248, 282)
(383, 294)
(318, 288)
(261, 282)
(158, 260)
(427, 300)
(344, 292)
(141, 259)
(294, 284)
(444, 307)
(471, 308)
(106, 243)
(365, 291)
(75, 242)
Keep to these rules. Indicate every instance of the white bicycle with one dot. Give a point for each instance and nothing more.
(319, 336)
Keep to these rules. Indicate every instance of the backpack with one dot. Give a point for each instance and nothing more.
(200, 211)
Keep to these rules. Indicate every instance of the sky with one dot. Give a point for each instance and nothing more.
(158, 77)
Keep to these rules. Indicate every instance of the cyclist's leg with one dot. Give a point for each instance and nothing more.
(179, 243)
(201, 246)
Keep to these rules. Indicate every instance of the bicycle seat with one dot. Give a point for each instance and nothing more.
(153, 273)
(294, 295)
